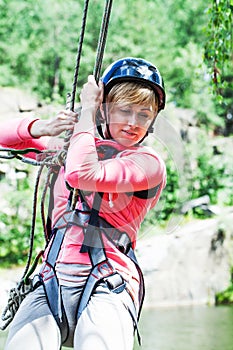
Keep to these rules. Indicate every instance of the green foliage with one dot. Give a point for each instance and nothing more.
(204, 173)
(207, 177)
(169, 201)
(218, 48)
(226, 296)
(212, 174)
(15, 221)
(170, 196)
(32, 43)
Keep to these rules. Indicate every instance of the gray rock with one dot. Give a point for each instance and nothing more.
(189, 266)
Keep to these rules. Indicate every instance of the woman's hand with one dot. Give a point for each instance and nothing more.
(64, 120)
(92, 94)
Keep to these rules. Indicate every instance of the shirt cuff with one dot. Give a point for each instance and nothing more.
(24, 128)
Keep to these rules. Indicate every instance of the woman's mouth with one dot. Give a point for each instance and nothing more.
(129, 133)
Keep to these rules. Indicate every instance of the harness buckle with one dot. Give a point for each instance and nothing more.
(115, 282)
(36, 281)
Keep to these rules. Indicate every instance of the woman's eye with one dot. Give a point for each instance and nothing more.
(125, 111)
(143, 116)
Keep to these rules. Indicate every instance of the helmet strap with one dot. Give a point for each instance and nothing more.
(101, 117)
(150, 130)
(99, 121)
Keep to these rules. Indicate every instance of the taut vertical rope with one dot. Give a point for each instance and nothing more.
(79, 52)
(102, 40)
(32, 233)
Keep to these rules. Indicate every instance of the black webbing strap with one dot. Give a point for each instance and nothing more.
(48, 226)
(92, 243)
(100, 271)
(51, 283)
(132, 256)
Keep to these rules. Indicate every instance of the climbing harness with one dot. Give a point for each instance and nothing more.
(94, 228)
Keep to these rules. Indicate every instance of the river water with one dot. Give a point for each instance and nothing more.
(186, 328)
(189, 328)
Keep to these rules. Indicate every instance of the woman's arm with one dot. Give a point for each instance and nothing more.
(15, 133)
(33, 132)
(64, 120)
(134, 171)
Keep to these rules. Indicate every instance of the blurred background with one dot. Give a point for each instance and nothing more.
(185, 245)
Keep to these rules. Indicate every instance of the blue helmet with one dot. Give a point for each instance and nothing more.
(137, 70)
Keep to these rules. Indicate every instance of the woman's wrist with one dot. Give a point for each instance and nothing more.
(86, 121)
(36, 128)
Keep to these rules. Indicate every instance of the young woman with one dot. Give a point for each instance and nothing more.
(89, 292)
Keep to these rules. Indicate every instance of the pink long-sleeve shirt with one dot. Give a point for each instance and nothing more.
(133, 169)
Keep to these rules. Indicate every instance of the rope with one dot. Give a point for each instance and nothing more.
(58, 158)
(99, 55)
(16, 296)
(97, 68)
(79, 52)
(43, 157)
(102, 40)
(32, 232)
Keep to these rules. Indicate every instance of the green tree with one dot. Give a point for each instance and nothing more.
(218, 57)
(39, 39)
(218, 48)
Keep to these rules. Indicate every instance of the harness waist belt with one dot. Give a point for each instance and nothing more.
(80, 218)
(120, 239)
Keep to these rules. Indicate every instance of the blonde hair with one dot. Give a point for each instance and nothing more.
(133, 93)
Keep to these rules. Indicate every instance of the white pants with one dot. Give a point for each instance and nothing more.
(105, 324)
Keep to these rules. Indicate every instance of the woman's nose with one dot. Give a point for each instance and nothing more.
(132, 119)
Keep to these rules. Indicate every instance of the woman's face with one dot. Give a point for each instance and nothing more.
(129, 123)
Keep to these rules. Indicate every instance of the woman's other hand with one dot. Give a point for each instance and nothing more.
(64, 120)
